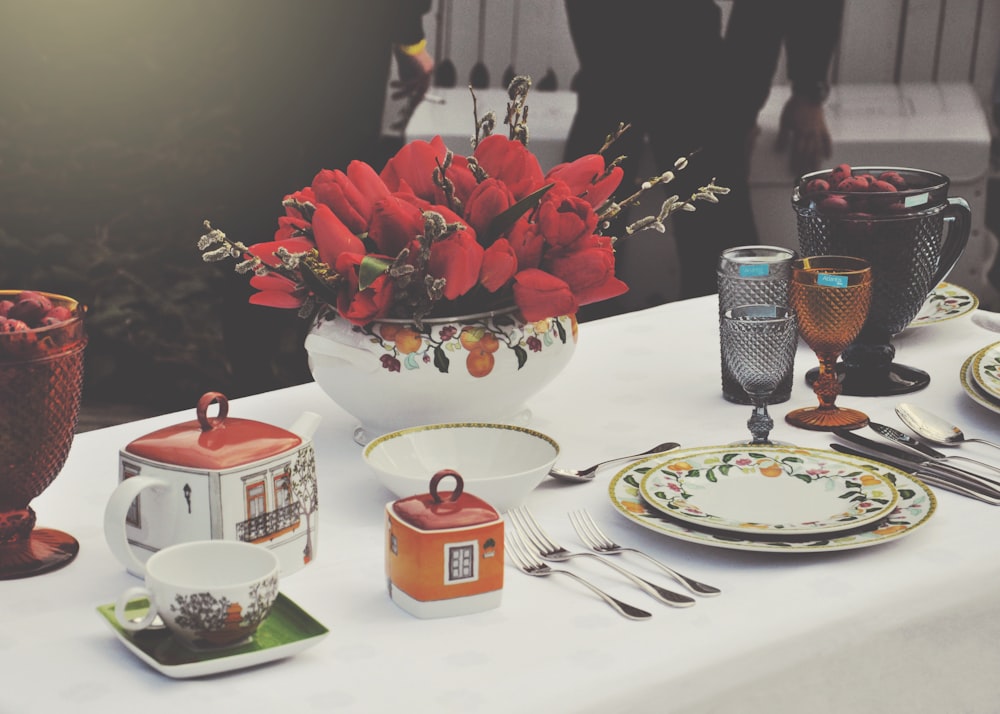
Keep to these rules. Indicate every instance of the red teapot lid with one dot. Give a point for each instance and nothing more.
(436, 511)
(214, 443)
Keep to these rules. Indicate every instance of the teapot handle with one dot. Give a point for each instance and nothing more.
(958, 213)
(115, 530)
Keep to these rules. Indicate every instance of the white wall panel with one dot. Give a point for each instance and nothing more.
(868, 41)
(958, 40)
(917, 53)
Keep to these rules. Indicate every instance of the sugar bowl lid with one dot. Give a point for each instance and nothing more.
(214, 442)
(437, 511)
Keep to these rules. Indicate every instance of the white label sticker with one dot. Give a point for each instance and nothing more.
(831, 281)
(918, 200)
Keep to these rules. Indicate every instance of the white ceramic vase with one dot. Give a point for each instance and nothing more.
(393, 374)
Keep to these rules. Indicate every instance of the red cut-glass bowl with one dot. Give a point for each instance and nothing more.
(41, 381)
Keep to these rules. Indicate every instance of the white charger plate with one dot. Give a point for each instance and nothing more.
(768, 489)
(916, 505)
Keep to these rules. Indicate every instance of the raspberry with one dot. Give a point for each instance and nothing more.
(60, 313)
(833, 204)
(817, 186)
(853, 184)
(895, 178)
(11, 325)
(30, 307)
(840, 173)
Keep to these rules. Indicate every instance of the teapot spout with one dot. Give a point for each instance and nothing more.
(306, 425)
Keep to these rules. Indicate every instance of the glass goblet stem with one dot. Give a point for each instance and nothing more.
(827, 385)
(760, 422)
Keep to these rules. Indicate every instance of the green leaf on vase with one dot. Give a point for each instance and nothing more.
(441, 360)
(521, 354)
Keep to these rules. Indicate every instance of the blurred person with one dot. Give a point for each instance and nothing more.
(665, 68)
(327, 68)
(809, 31)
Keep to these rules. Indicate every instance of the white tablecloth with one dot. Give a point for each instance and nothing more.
(907, 626)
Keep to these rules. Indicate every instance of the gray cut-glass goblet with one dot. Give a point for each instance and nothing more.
(753, 275)
(760, 343)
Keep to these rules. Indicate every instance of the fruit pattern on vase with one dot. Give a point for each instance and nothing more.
(407, 345)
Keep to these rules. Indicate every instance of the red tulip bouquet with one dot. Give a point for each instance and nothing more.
(438, 234)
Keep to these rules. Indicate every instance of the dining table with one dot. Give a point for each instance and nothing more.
(911, 624)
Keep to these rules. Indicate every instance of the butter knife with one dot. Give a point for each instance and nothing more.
(921, 448)
(924, 475)
(934, 467)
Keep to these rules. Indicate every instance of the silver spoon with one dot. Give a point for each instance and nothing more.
(934, 428)
(587, 474)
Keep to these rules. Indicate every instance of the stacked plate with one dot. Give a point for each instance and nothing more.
(980, 376)
(945, 302)
(771, 498)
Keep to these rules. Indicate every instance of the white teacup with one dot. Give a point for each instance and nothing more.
(209, 594)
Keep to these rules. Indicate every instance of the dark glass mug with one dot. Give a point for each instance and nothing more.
(902, 234)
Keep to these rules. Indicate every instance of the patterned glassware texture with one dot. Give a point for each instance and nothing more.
(753, 275)
(898, 233)
(831, 296)
(902, 234)
(759, 341)
(41, 380)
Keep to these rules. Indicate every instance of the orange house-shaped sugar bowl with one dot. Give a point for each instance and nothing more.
(444, 552)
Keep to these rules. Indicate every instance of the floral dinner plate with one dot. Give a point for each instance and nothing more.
(915, 507)
(288, 629)
(986, 369)
(769, 489)
(972, 388)
(945, 302)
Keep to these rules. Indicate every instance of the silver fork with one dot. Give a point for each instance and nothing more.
(595, 539)
(522, 557)
(528, 527)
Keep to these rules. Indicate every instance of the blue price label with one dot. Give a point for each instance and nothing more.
(831, 281)
(754, 270)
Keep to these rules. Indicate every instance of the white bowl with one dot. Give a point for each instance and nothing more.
(499, 463)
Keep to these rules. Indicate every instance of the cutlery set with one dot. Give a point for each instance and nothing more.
(978, 480)
(529, 546)
(531, 549)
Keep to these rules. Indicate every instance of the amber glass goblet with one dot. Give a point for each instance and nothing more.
(831, 296)
(41, 379)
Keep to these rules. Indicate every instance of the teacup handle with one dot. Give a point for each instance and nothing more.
(115, 532)
(135, 593)
(960, 215)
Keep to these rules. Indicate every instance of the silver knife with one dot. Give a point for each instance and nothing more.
(921, 448)
(947, 484)
(934, 467)
(906, 440)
